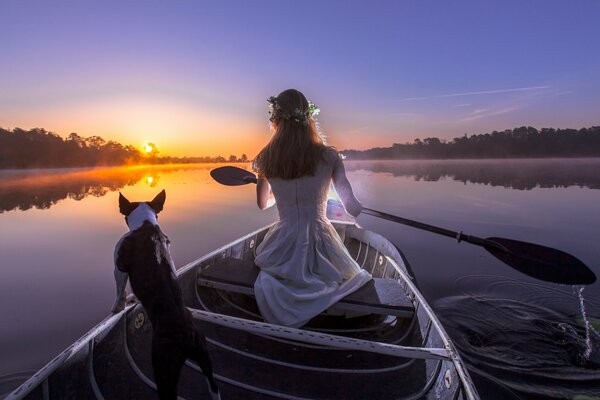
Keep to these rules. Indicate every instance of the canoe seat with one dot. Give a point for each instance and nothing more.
(378, 296)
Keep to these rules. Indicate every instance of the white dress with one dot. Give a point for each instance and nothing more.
(305, 267)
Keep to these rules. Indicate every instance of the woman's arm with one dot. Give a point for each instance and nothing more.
(344, 189)
(264, 195)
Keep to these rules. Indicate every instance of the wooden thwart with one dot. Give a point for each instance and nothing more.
(378, 296)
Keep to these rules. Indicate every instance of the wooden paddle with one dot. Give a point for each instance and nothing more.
(541, 262)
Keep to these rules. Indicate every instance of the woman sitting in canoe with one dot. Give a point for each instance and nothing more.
(305, 267)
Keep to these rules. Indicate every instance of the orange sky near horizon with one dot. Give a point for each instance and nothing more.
(176, 129)
(179, 130)
(194, 77)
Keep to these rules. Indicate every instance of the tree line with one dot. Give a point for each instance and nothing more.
(39, 148)
(523, 142)
(188, 160)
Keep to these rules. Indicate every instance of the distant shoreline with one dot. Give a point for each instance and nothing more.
(183, 164)
(38, 148)
(471, 158)
(91, 167)
(523, 142)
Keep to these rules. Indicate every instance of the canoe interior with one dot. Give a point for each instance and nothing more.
(113, 360)
(378, 296)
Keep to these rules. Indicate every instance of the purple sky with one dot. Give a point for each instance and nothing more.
(193, 76)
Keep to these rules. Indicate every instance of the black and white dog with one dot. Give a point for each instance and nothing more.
(143, 256)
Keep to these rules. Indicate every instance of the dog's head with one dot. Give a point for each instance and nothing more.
(136, 212)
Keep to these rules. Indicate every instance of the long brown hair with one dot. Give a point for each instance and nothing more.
(296, 146)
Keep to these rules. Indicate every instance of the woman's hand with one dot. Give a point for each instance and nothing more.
(354, 208)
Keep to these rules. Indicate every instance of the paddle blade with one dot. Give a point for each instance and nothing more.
(232, 176)
(542, 262)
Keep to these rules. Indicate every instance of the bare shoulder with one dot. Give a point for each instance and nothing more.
(331, 155)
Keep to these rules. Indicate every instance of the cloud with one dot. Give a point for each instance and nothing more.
(484, 113)
(482, 92)
(562, 92)
(403, 115)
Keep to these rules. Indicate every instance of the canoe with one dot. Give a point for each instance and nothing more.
(381, 342)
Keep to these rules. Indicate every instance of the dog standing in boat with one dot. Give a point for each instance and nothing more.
(142, 256)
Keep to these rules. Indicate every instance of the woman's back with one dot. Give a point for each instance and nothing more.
(305, 267)
(306, 196)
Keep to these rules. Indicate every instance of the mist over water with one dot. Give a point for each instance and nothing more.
(58, 229)
(520, 174)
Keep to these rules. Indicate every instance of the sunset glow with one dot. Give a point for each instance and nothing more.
(200, 97)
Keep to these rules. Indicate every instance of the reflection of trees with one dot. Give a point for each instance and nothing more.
(515, 174)
(25, 189)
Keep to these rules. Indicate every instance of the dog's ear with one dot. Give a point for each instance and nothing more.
(159, 201)
(125, 206)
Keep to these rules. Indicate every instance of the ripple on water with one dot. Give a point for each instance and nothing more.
(521, 342)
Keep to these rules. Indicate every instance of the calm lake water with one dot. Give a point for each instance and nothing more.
(58, 229)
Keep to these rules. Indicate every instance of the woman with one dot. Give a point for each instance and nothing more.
(305, 267)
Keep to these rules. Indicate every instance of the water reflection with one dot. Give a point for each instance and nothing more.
(513, 173)
(41, 189)
(53, 260)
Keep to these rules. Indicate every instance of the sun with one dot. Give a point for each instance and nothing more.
(148, 148)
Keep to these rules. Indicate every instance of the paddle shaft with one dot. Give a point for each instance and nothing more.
(234, 176)
(537, 261)
(434, 229)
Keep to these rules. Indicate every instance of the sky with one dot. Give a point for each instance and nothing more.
(193, 76)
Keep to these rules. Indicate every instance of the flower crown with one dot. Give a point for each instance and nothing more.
(297, 115)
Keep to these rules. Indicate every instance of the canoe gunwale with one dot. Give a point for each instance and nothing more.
(397, 260)
(461, 370)
(445, 355)
(42, 375)
(324, 339)
(466, 382)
